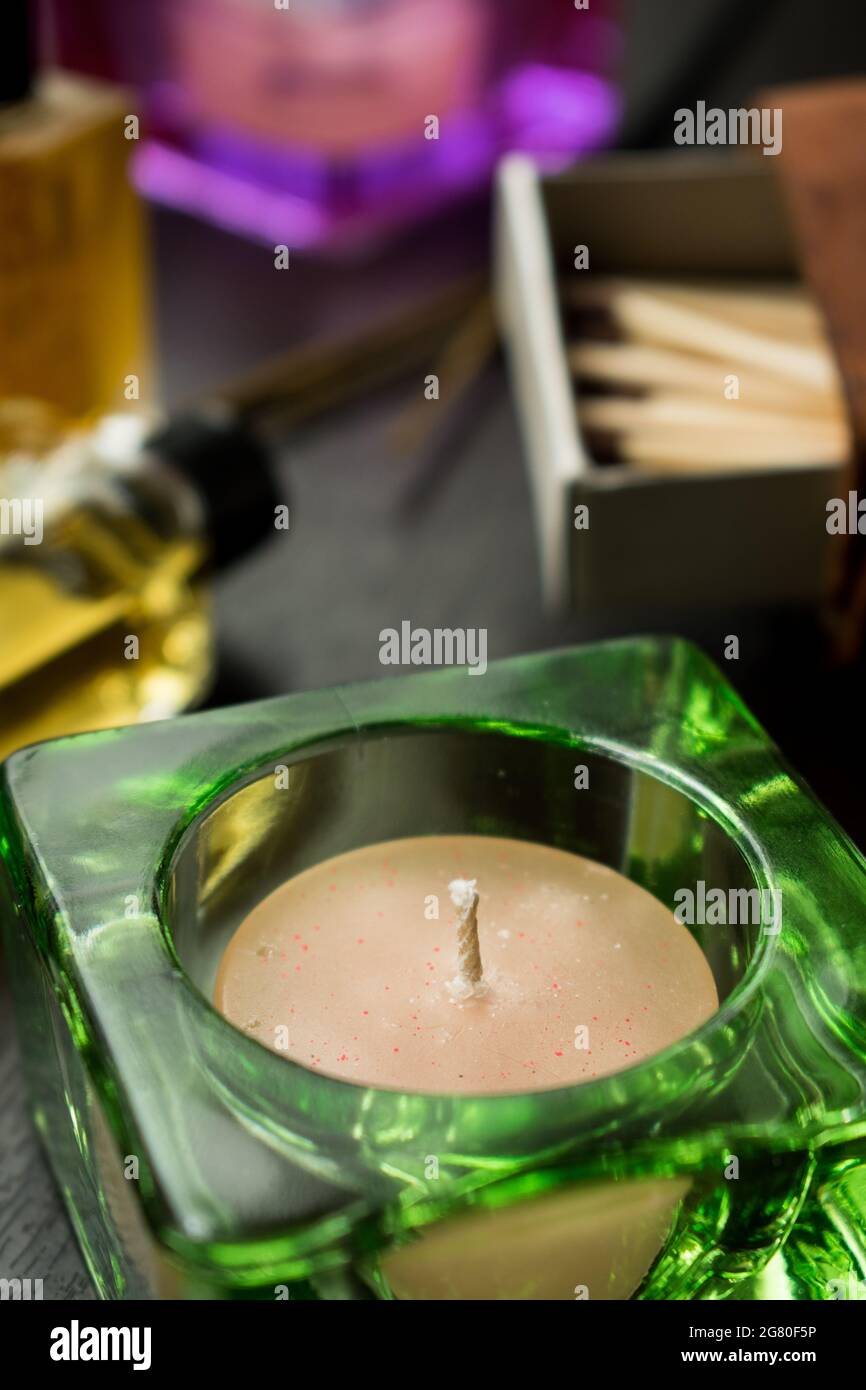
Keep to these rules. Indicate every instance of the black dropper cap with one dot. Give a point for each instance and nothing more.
(230, 468)
(17, 55)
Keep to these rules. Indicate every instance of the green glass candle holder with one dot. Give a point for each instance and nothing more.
(195, 1162)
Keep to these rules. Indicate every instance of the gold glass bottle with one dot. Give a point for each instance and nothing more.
(72, 285)
(104, 533)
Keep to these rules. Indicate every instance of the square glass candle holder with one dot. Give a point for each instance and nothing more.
(195, 1162)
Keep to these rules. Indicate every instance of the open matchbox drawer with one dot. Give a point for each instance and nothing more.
(732, 538)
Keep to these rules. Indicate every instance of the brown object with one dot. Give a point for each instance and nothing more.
(648, 313)
(304, 382)
(670, 433)
(669, 411)
(823, 173)
(643, 367)
(465, 899)
(765, 306)
(692, 450)
(459, 364)
(694, 339)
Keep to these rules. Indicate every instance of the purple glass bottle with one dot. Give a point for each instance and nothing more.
(318, 122)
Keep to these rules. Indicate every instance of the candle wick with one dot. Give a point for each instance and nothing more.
(465, 899)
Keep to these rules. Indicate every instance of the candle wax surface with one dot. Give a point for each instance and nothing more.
(346, 969)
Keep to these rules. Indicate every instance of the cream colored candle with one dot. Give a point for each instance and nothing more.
(363, 968)
(351, 969)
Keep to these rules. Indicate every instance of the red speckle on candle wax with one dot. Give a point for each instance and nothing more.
(557, 1054)
(332, 887)
(360, 941)
(365, 1012)
(395, 1049)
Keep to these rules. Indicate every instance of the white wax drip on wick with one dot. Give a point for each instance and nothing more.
(469, 980)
